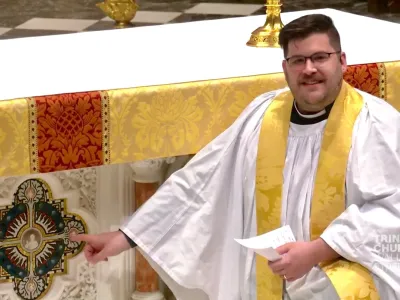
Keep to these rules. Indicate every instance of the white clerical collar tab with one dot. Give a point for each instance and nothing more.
(321, 113)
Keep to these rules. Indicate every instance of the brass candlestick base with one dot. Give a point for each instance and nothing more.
(268, 35)
(121, 11)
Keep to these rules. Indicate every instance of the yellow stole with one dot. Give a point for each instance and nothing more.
(351, 280)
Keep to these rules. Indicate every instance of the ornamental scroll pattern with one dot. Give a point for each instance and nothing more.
(83, 180)
(85, 288)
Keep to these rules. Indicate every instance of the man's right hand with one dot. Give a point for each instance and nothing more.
(99, 247)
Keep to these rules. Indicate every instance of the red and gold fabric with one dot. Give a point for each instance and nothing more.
(77, 130)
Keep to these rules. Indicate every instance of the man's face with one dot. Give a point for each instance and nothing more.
(315, 82)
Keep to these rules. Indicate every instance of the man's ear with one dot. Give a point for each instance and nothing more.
(284, 66)
(343, 61)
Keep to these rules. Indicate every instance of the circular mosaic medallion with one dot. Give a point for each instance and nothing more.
(34, 239)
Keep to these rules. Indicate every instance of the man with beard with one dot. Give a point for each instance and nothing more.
(319, 156)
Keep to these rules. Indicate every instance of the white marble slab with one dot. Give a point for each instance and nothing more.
(166, 54)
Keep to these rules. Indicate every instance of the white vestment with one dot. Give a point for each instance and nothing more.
(187, 229)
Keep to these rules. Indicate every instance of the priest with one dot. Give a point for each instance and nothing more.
(319, 156)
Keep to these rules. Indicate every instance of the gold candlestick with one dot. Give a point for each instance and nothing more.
(121, 11)
(268, 35)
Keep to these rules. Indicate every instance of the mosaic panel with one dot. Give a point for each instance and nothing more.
(34, 239)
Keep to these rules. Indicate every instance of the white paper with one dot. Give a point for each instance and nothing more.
(266, 243)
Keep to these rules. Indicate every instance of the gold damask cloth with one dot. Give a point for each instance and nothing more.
(76, 130)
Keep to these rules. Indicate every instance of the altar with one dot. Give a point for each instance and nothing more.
(92, 123)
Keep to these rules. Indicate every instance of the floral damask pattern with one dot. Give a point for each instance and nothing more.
(364, 77)
(392, 83)
(69, 131)
(243, 96)
(34, 239)
(352, 281)
(14, 149)
(167, 122)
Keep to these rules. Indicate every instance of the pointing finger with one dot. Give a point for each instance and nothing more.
(82, 238)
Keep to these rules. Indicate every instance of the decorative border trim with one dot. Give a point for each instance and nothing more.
(105, 117)
(33, 141)
(382, 81)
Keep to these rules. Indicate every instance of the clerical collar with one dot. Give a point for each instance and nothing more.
(301, 119)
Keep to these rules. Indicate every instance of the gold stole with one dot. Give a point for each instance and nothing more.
(351, 280)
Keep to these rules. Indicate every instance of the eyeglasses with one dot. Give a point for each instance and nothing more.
(316, 58)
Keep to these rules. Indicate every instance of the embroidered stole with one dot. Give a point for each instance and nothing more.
(351, 280)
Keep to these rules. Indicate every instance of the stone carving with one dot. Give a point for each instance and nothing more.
(85, 287)
(6, 184)
(85, 181)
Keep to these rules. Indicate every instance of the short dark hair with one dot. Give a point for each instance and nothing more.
(307, 25)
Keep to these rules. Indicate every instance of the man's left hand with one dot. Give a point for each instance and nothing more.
(298, 259)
